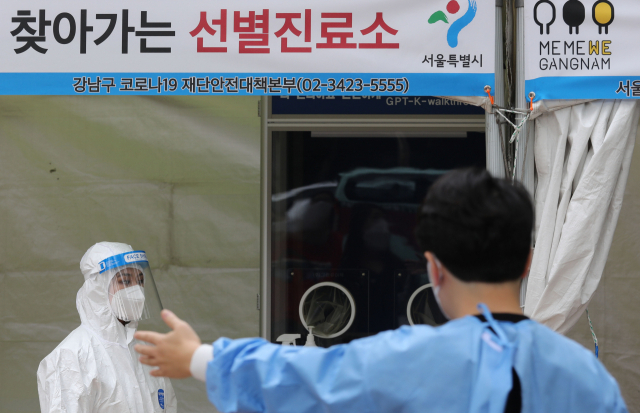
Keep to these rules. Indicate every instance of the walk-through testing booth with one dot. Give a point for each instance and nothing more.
(343, 180)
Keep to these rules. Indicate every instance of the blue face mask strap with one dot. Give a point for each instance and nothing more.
(493, 323)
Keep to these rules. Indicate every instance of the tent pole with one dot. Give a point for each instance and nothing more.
(495, 163)
(525, 167)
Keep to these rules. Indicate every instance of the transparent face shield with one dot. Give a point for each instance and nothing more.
(131, 289)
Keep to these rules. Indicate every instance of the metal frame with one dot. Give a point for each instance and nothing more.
(526, 147)
(265, 218)
(372, 122)
(495, 162)
(526, 157)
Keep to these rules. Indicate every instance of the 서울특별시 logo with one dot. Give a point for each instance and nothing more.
(453, 7)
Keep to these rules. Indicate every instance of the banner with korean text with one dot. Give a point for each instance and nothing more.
(283, 47)
(582, 49)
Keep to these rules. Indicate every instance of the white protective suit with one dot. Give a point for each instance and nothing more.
(95, 369)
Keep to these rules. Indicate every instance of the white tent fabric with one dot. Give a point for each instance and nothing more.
(582, 156)
(544, 106)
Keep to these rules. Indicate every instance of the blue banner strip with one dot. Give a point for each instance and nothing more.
(320, 84)
(584, 87)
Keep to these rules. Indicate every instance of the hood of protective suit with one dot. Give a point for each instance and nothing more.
(92, 300)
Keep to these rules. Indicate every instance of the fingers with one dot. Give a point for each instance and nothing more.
(148, 336)
(170, 319)
(150, 351)
(149, 361)
(157, 373)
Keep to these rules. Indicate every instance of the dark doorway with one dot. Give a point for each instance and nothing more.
(343, 210)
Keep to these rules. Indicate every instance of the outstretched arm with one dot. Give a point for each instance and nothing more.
(254, 375)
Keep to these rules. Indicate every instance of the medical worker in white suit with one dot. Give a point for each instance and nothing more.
(95, 369)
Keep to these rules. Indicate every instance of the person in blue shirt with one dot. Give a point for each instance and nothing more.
(475, 231)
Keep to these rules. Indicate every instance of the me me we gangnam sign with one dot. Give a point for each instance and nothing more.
(283, 47)
(582, 49)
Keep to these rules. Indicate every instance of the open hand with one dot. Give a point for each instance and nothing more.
(170, 352)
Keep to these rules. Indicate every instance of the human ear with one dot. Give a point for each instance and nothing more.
(527, 266)
(433, 269)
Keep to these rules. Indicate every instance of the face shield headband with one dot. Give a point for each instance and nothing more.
(121, 260)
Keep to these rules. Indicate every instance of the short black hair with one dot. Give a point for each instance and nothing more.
(478, 226)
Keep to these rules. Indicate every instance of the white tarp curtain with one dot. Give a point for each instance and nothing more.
(582, 158)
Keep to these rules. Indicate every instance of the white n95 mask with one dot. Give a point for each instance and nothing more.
(128, 304)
